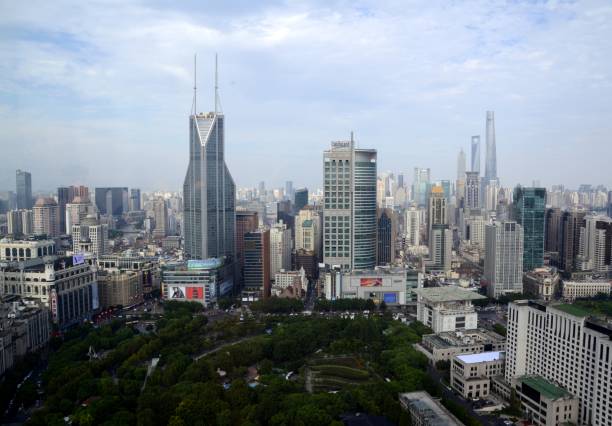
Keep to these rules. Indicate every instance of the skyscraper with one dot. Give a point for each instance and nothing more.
(289, 190)
(472, 190)
(386, 230)
(160, 214)
(280, 248)
(475, 159)
(112, 201)
(421, 186)
(301, 199)
(461, 165)
(412, 225)
(256, 264)
(596, 244)
(569, 244)
(45, 216)
(529, 210)
(349, 213)
(552, 230)
(134, 199)
(24, 190)
(440, 248)
(503, 269)
(491, 157)
(438, 214)
(209, 190)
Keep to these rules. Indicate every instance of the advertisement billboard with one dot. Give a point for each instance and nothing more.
(176, 292)
(195, 292)
(53, 300)
(204, 264)
(390, 297)
(370, 282)
(78, 259)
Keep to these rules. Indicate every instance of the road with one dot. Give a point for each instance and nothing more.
(224, 345)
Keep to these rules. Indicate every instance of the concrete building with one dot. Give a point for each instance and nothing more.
(90, 237)
(135, 200)
(256, 265)
(412, 226)
(426, 411)
(20, 222)
(112, 201)
(308, 230)
(23, 190)
(202, 281)
(46, 217)
(546, 404)
(447, 308)
(503, 269)
(595, 249)
(552, 230)
(440, 249)
(572, 290)
(446, 345)
(541, 283)
(349, 206)
(564, 345)
(475, 230)
(386, 231)
(160, 215)
(472, 190)
(394, 286)
(280, 248)
(65, 285)
(246, 221)
(13, 250)
(438, 211)
(471, 373)
(147, 267)
(76, 211)
(116, 287)
(569, 250)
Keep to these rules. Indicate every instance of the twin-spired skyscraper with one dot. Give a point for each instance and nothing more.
(209, 191)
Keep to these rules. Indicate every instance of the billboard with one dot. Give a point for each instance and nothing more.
(204, 264)
(176, 292)
(195, 292)
(78, 259)
(370, 282)
(53, 299)
(390, 297)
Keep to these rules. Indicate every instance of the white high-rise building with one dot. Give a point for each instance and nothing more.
(280, 248)
(349, 206)
(77, 210)
(46, 217)
(565, 346)
(595, 244)
(440, 248)
(475, 230)
(503, 269)
(90, 237)
(412, 226)
(20, 222)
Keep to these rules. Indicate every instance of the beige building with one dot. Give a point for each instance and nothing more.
(426, 411)
(46, 217)
(308, 230)
(119, 288)
(541, 283)
(471, 373)
(546, 404)
(445, 346)
(572, 290)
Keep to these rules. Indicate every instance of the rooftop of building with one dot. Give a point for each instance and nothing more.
(481, 357)
(435, 413)
(544, 387)
(449, 339)
(447, 294)
(571, 309)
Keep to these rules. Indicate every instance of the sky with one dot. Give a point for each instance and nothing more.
(99, 92)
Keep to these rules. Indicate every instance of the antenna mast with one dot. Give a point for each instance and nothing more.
(216, 86)
(195, 86)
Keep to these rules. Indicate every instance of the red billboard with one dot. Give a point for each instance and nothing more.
(195, 292)
(370, 282)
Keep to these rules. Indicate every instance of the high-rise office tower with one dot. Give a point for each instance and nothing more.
(596, 244)
(461, 165)
(261, 189)
(89, 236)
(491, 156)
(609, 203)
(284, 213)
(552, 230)
(112, 201)
(475, 155)
(529, 208)
(566, 346)
(440, 248)
(569, 244)
(160, 214)
(437, 213)
(280, 248)
(300, 199)
(400, 180)
(134, 200)
(308, 230)
(64, 196)
(289, 190)
(503, 269)
(349, 213)
(24, 190)
(246, 221)
(421, 186)
(256, 271)
(412, 226)
(77, 210)
(209, 190)
(386, 232)
(472, 190)
(20, 222)
(46, 217)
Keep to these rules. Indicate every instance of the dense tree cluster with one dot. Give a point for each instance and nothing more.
(278, 305)
(185, 389)
(345, 305)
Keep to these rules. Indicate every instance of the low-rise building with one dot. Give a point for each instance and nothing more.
(202, 281)
(426, 411)
(296, 279)
(471, 373)
(546, 404)
(572, 290)
(444, 346)
(447, 308)
(148, 267)
(541, 283)
(117, 287)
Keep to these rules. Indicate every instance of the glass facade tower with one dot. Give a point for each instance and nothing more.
(529, 211)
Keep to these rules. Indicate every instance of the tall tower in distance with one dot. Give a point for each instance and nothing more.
(461, 165)
(491, 158)
(209, 189)
(475, 155)
(24, 189)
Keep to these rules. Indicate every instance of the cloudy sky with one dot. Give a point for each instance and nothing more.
(99, 93)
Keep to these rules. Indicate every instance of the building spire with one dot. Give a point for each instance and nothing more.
(194, 106)
(216, 85)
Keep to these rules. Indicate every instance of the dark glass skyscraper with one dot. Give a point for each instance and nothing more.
(529, 211)
(24, 189)
(112, 201)
(301, 199)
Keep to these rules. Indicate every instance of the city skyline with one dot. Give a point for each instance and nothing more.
(92, 87)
